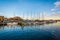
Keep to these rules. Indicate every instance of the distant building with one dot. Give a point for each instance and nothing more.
(1, 18)
(5, 18)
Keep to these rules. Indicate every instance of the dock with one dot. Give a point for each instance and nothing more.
(29, 22)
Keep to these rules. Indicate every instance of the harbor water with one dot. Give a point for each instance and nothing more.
(36, 32)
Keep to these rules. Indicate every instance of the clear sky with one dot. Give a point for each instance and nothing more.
(49, 9)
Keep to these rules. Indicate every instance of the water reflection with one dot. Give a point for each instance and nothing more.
(43, 32)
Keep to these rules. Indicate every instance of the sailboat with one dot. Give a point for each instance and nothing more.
(11, 23)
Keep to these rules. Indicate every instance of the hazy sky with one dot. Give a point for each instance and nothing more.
(30, 8)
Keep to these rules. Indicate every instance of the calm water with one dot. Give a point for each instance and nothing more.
(42, 32)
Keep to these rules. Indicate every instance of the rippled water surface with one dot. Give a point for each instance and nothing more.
(40, 32)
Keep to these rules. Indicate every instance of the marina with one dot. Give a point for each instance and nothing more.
(29, 22)
(29, 19)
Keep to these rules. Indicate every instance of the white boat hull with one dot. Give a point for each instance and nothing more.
(11, 24)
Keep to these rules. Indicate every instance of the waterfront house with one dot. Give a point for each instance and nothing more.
(1, 18)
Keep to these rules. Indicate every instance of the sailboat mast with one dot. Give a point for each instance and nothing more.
(42, 16)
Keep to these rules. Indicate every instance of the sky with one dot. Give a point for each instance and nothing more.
(30, 9)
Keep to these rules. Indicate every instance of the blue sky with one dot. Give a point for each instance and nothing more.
(26, 8)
